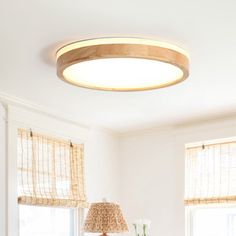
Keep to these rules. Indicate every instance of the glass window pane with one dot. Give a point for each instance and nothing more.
(217, 221)
(45, 221)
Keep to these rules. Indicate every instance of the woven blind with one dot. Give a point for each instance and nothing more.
(50, 171)
(210, 174)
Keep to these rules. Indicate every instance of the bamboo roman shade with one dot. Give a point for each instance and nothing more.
(50, 171)
(210, 175)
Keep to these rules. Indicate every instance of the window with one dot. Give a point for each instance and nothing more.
(210, 188)
(214, 221)
(46, 221)
(50, 185)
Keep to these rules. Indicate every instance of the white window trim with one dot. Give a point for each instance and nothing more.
(3, 197)
(18, 117)
(188, 221)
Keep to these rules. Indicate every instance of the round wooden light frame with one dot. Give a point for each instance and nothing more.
(74, 53)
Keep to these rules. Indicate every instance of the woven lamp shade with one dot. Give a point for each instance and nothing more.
(105, 218)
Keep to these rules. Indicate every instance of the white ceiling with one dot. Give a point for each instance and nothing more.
(32, 30)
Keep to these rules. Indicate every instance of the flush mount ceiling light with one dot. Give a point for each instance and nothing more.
(122, 64)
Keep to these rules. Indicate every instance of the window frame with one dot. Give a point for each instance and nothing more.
(48, 125)
(3, 171)
(73, 213)
(189, 215)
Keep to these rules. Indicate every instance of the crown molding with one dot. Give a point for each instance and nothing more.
(7, 100)
(188, 126)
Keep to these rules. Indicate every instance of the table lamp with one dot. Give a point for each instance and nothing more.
(105, 217)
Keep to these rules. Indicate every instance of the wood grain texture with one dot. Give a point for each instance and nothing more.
(124, 51)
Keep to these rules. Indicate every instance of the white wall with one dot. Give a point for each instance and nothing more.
(102, 166)
(2, 171)
(153, 173)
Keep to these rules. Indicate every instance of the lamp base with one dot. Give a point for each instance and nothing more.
(103, 234)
